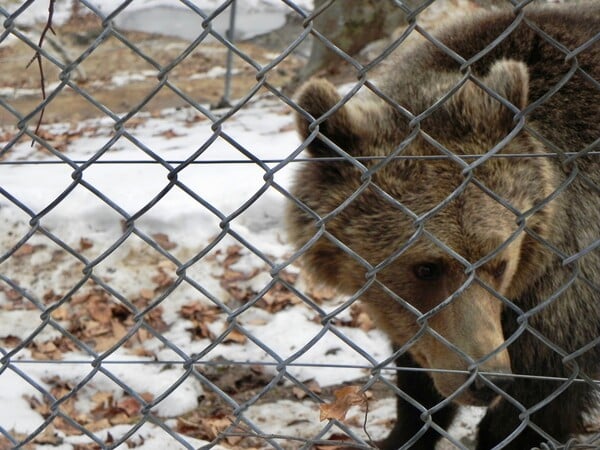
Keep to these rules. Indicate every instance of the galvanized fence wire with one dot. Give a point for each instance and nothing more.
(242, 425)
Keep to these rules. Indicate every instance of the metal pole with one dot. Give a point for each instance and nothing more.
(229, 34)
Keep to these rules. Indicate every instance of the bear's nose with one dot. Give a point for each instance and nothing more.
(480, 389)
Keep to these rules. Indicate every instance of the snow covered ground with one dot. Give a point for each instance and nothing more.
(184, 227)
(264, 129)
(84, 367)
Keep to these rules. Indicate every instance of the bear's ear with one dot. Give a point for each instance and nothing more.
(318, 97)
(507, 78)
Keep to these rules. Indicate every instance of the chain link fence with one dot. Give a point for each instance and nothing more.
(148, 296)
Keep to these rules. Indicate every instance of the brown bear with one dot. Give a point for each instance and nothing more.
(459, 198)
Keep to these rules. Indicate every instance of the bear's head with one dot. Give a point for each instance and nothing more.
(435, 243)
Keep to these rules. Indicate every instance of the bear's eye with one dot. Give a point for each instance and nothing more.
(499, 270)
(428, 271)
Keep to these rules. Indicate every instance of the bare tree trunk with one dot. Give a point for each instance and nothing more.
(350, 25)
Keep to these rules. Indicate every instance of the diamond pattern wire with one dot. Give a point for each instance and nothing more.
(58, 338)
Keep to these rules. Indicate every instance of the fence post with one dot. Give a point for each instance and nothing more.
(229, 34)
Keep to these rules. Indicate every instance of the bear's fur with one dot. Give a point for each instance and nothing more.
(484, 265)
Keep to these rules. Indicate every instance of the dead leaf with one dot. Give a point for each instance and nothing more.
(231, 276)
(11, 341)
(193, 119)
(162, 279)
(278, 298)
(169, 134)
(200, 315)
(41, 408)
(130, 405)
(50, 297)
(85, 243)
(13, 295)
(140, 351)
(201, 331)
(155, 319)
(345, 398)
(135, 122)
(102, 400)
(147, 294)
(24, 250)
(163, 240)
(235, 336)
(113, 334)
(299, 393)
(207, 428)
(100, 310)
(199, 312)
(232, 255)
(98, 425)
(48, 437)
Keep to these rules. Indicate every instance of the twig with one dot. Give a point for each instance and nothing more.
(371, 442)
(38, 56)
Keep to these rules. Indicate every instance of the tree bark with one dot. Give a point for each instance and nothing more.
(351, 25)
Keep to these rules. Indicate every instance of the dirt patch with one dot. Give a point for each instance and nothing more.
(127, 71)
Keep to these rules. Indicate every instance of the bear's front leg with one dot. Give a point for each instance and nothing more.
(419, 386)
(499, 422)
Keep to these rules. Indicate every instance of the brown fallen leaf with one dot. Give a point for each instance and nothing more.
(98, 425)
(50, 297)
(24, 250)
(200, 315)
(193, 119)
(135, 122)
(13, 295)
(201, 331)
(102, 399)
(147, 294)
(100, 310)
(199, 312)
(162, 278)
(345, 398)
(233, 255)
(207, 428)
(235, 336)
(278, 298)
(129, 405)
(163, 240)
(312, 386)
(38, 406)
(10, 340)
(48, 437)
(169, 134)
(85, 243)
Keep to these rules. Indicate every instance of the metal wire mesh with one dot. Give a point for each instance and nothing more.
(92, 282)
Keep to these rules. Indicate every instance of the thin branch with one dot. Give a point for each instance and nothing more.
(38, 57)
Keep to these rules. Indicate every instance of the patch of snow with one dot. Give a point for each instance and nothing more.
(214, 72)
(124, 78)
